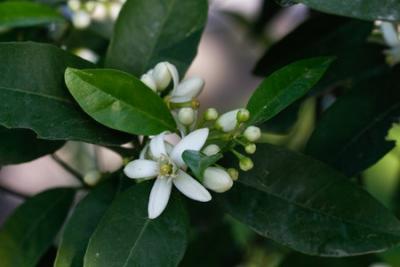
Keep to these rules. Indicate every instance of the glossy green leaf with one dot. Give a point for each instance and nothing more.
(24, 13)
(309, 207)
(119, 101)
(150, 31)
(31, 229)
(351, 134)
(285, 86)
(82, 224)
(34, 95)
(127, 237)
(326, 35)
(361, 9)
(198, 162)
(21, 145)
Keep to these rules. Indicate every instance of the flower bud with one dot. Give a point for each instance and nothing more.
(187, 90)
(211, 114)
(250, 148)
(74, 5)
(92, 178)
(246, 164)
(81, 19)
(243, 115)
(115, 8)
(186, 116)
(227, 122)
(162, 76)
(252, 133)
(211, 150)
(148, 80)
(99, 11)
(233, 173)
(217, 179)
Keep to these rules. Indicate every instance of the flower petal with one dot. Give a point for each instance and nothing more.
(141, 168)
(193, 141)
(159, 197)
(157, 146)
(390, 34)
(174, 73)
(191, 187)
(187, 90)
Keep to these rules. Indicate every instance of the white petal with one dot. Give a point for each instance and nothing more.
(141, 168)
(148, 80)
(190, 187)
(187, 90)
(390, 34)
(228, 121)
(157, 146)
(159, 197)
(217, 179)
(143, 154)
(193, 141)
(174, 73)
(162, 76)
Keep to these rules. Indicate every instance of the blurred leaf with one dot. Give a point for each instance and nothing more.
(24, 13)
(361, 9)
(326, 35)
(309, 207)
(285, 86)
(119, 101)
(34, 95)
(150, 31)
(284, 121)
(127, 237)
(198, 162)
(82, 224)
(31, 229)
(21, 145)
(351, 134)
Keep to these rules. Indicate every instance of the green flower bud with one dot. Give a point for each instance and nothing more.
(92, 178)
(243, 115)
(246, 164)
(233, 173)
(211, 114)
(211, 150)
(250, 148)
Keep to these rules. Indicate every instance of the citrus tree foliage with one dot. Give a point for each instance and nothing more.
(225, 190)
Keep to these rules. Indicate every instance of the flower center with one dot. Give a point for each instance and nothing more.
(166, 169)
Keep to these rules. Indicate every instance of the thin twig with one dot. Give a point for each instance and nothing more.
(68, 168)
(16, 194)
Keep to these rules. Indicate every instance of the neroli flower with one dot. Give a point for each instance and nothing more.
(167, 166)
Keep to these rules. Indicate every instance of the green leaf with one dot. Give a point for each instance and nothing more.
(82, 224)
(198, 162)
(31, 229)
(119, 101)
(24, 13)
(34, 95)
(361, 9)
(309, 207)
(127, 237)
(351, 134)
(150, 31)
(328, 35)
(21, 145)
(284, 87)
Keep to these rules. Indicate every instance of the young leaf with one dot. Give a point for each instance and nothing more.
(198, 162)
(21, 145)
(34, 95)
(309, 207)
(31, 230)
(24, 13)
(284, 87)
(361, 9)
(351, 135)
(119, 101)
(150, 31)
(127, 237)
(82, 224)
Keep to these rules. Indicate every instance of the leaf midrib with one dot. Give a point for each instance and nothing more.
(48, 96)
(131, 251)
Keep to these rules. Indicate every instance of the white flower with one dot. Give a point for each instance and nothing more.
(227, 122)
(390, 34)
(187, 90)
(163, 73)
(217, 179)
(252, 133)
(168, 168)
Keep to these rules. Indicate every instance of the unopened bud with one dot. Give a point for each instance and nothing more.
(186, 116)
(250, 148)
(81, 19)
(162, 76)
(74, 5)
(211, 114)
(243, 115)
(187, 90)
(217, 179)
(246, 164)
(233, 173)
(252, 133)
(115, 8)
(211, 150)
(148, 80)
(99, 11)
(92, 178)
(227, 122)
